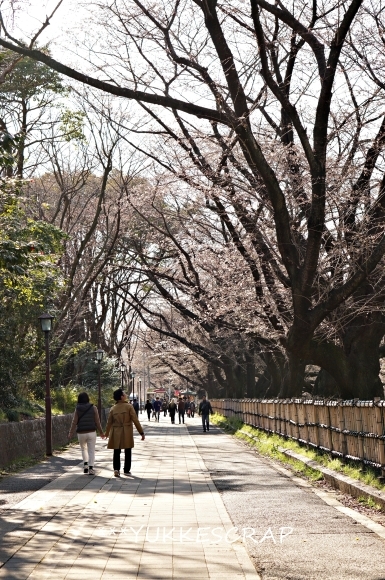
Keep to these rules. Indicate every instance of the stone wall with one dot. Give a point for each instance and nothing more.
(27, 438)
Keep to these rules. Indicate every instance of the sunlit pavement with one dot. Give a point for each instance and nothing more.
(167, 520)
(197, 506)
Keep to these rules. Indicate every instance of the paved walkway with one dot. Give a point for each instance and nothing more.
(198, 506)
(166, 521)
(328, 540)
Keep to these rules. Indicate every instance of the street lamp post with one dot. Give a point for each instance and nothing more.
(140, 395)
(99, 357)
(46, 326)
(133, 384)
(122, 369)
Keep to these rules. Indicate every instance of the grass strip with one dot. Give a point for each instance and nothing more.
(370, 503)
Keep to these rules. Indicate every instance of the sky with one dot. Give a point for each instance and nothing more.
(30, 15)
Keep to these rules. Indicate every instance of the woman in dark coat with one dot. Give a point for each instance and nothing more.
(148, 407)
(172, 411)
(85, 421)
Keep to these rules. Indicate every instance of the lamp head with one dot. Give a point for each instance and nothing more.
(99, 355)
(46, 322)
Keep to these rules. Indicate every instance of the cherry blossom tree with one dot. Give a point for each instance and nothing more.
(274, 113)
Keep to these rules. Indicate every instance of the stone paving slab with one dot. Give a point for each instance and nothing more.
(16, 487)
(165, 521)
(187, 512)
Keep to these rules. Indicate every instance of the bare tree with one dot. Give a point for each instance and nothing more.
(287, 134)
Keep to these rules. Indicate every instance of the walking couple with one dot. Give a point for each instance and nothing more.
(119, 431)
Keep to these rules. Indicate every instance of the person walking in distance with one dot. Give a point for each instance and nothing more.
(85, 421)
(181, 409)
(164, 408)
(205, 409)
(135, 404)
(120, 431)
(192, 409)
(148, 408)
(157, 407)
(172, 411)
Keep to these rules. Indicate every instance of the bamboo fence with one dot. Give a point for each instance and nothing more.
(348, 429)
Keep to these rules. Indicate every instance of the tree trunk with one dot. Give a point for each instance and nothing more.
(351, 371)
(263, 384)
(275, 377)
(334, 377)
(326, 386)
(222, 382)
(250, 372)
(362, 340)
(297, 349)
(296, 383)
(234, 378)
(22, 138)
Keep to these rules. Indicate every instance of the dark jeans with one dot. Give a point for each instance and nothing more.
(192, 413)
(205, 421)
(127, 460)
(172, 416)
(149, 414)
(165, 412)
(181, 414)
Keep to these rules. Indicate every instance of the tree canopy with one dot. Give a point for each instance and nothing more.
(268, 120)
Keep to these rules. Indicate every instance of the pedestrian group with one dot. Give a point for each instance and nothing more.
(121, 419)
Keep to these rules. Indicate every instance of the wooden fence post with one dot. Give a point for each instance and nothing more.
(341, 424)
(379, 410)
